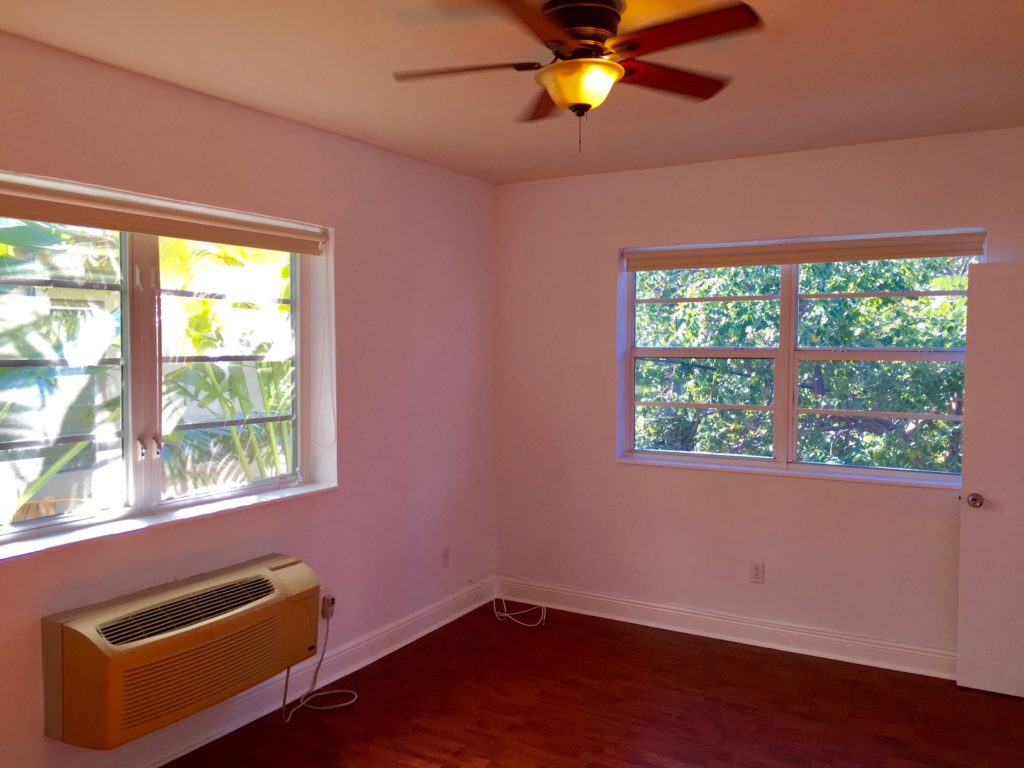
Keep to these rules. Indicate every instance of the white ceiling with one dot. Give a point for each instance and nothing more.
(821, 73)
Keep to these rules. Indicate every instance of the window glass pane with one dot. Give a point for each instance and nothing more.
(704, 430)
(894, 386)
(193, 327)
(82, 326)
(928, 321)
(708, 324)
(37, 251)
(920, 444)
(249, 320)
(936, 274)
(723, 281)
(197, 393)
(193, 267)
(60, 376)
(60, 479)
(211, 459)
(705, 380)
(42, 404)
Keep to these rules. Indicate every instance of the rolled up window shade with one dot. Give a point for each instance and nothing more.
(943, 243)
(39, 199)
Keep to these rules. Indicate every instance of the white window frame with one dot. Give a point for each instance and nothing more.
(788, 255)
(315, 416)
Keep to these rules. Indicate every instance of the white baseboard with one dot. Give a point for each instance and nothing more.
(842, 646)
(180, 738)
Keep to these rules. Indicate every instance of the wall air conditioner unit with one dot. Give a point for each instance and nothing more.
(120, 669)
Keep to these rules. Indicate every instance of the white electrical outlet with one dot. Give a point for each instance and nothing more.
(757, 573)
(446, 557)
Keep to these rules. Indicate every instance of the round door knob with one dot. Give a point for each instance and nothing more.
(975, 500)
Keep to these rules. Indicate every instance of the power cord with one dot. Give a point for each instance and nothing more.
(305, 699)
(504, 613)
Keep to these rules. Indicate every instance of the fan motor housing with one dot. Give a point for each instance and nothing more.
(591, 22)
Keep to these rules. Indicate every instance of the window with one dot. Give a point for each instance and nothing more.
(60, 370)
(227, 338)
(831, 355)
(143, 371)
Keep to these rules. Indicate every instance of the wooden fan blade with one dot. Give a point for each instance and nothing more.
(416, 74)
(721, 21)
(542, 107)
(545, 30)
(661, 78)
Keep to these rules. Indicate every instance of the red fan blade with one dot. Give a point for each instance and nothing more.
(721, 21)
(416, 74)
(542, 107)
(545, 30)
(661, 78)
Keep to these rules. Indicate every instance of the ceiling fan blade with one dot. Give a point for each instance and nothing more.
(720, 21)
(545, 30)
(661, 78)
(541, 107)
(416, 74)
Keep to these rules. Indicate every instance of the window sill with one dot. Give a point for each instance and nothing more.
(20, 543)
(895, 477)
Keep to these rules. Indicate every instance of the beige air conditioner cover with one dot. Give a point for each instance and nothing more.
(117, 670)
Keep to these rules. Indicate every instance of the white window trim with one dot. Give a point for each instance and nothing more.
(788, 254)
(316, 407)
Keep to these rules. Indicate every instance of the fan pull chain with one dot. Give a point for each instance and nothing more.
(579, 141)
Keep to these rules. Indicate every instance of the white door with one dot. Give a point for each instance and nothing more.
(991, 623)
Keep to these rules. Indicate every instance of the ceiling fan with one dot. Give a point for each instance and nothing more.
(590, 56)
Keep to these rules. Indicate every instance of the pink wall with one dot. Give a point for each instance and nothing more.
(414, 281)
(870, 560)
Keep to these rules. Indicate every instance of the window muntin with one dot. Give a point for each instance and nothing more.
(868, 369)
(61, 446)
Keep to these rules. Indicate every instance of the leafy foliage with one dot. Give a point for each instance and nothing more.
(703, 283)
(731, 381)
(704, 430)
(708, 324)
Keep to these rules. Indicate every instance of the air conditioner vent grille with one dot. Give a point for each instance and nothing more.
(186, 611)
(176, 684)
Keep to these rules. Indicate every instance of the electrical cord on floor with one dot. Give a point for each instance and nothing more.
(505, 613)
(305, 699)
(513, 616)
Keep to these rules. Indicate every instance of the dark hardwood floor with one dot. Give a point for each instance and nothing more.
(590, 692)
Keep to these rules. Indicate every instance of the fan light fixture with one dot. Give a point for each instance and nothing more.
(580, 85)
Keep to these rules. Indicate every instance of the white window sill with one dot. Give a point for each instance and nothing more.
(847, 474)
(41, 539)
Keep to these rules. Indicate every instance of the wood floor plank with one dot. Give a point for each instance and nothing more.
(591, 693)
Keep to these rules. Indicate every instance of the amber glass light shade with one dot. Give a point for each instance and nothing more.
(580, 81)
